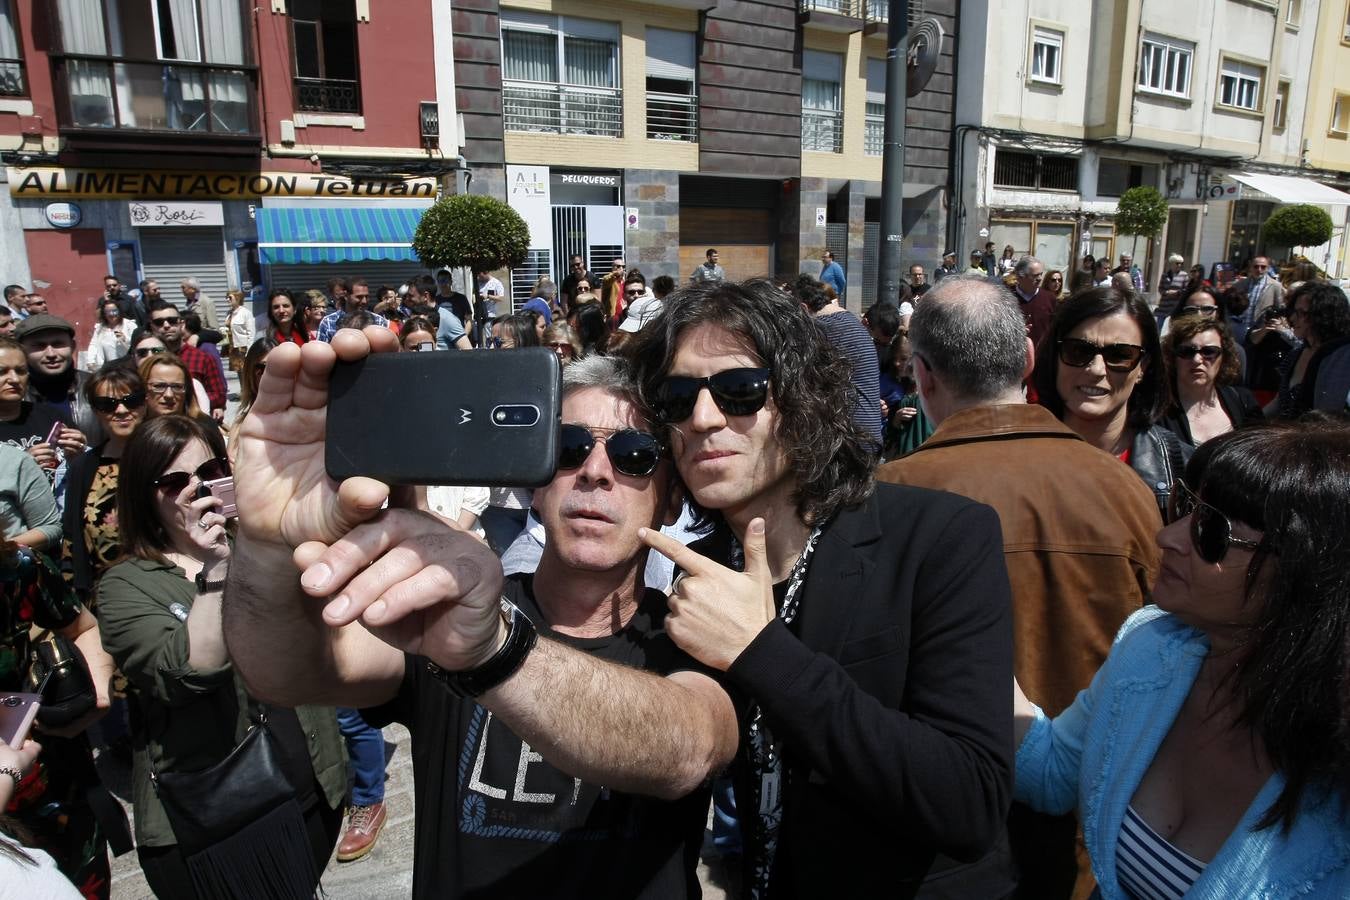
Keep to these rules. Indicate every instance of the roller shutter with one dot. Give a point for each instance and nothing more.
(168, 255)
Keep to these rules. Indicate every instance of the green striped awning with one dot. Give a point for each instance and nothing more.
(316, 234)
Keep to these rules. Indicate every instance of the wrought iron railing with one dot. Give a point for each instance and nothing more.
(851, 8)
(562, 109)
(328, 95)
(822, 130)
(115, 94)
(672, 117)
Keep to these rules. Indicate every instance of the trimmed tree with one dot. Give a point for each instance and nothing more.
(1300, 225)
(481, 233)
(1141, 211)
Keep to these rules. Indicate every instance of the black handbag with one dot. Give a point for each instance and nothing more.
(57, 671)
(239, 825)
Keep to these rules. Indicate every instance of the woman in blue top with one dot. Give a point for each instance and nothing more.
(1210, 757)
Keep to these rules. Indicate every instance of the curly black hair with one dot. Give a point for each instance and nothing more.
(832, 458)
(1328, 310)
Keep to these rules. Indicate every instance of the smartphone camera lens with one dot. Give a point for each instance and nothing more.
(516, 416)
(12, 701)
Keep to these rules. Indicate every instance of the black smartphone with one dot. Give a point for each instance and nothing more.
(472, 417)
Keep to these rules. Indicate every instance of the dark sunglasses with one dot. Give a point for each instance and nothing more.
(631, 452)
(143, 352)
(207, 471)
(737, 392)
(1118, 357)
(134, 400)
(1190, 351)
(1211, 530)
(1199, 310)
(167, 320)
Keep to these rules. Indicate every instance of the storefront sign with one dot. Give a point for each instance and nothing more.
(64, 215)
(163, 214)
(527, 191)
(575, 178)
(1225, 190)
(127, 184)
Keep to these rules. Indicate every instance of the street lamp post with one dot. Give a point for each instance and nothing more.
(893, 154)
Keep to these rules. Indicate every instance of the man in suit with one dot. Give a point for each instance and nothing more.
(865, 628)
(1260, 291)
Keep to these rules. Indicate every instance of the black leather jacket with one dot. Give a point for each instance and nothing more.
(1159, 457)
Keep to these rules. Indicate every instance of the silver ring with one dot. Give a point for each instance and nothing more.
(675, 585)
(201, 523)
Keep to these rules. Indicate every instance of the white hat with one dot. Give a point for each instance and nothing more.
(640, 313)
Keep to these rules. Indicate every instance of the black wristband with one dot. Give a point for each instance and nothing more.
(471, 683)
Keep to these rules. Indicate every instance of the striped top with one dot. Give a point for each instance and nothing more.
(1150, 868)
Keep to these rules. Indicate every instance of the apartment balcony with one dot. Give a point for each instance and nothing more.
(843, 16)
(328, 95)
(105, 96)
(822, 131)
(672, 117)
(536, 107)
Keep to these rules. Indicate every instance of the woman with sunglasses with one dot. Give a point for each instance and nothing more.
(1100, 371)
(1211, 755)
(160, 613)
(112, 337)
(1054, 283)
(562, 340)
(1203, 370)
(281, 316)
(118, 398)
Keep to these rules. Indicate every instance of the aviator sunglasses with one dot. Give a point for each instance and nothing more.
(1211, 530)
(133, 401)
(1079, 354)
(631, 452)
(207, 471)
(737, 392)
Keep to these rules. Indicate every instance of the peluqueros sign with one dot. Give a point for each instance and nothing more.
(114, 184)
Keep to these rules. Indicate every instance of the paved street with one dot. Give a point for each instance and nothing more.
(385, 874)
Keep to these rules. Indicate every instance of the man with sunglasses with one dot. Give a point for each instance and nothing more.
(866, 628)
(576, 274)
(166, 323)
(1078, 532)
(561, 742)
(1261, 293)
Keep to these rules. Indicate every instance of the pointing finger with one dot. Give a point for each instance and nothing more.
(688, 560)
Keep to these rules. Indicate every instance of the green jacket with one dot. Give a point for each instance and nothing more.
(188, 719)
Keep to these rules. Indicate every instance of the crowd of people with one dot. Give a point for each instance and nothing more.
(1000, 590)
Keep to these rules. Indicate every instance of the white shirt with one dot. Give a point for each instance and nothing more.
(491, 288)
(242, 329)
(42, 881)
(109, 344)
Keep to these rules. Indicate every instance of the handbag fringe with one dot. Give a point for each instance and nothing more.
(270, 859)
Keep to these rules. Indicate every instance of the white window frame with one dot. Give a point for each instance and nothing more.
(1293, 14)
(1174, 55)
(1340, 114)
(556, 28)
(823, 122)
(1345, 35)
(1243, 78)
(1279, 119)
(1052, 39)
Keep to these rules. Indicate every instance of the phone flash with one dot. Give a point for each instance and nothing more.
(501, 415)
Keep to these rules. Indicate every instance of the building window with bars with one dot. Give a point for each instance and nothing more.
(874, 126)
(1240, 84)
(672, 101)
(1047, 52)
(12, 81)
(1165, 66)
(1022, 170)
(822, 102)
(560, 75)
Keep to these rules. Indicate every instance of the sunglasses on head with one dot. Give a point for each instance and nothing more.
(1079, 354)
(631, 452)
(1211, 530)
(207, 471)
(1199, 310)
(167, 320)
(134, 400)
(1190, 351)
(737, 392)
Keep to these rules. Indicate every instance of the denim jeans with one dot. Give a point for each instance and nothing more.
(365, 753)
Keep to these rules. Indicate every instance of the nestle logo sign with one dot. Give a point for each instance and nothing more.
(63, 215)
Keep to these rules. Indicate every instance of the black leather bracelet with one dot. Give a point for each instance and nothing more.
(510, 656)
(204, 586)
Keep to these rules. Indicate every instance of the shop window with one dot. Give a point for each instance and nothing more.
(1165, 65)
(1116, 176)
(1281, 111)
(12, 81)
(672, 102)
(1240, 84)
(155, 65)
(1047, 52)
(327, 73)
(561, 75)
(1050, 242)
(822, 102)
(1018, 169)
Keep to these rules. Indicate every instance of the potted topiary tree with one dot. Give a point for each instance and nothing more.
(480, 233)
(1300, 225)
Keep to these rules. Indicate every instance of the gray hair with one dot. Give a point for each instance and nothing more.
(971, 332)
(608, 373)
(1024, 265)
(546, 289)
(190, 282)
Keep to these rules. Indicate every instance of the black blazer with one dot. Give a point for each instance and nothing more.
(1237, 402)
(890, 696)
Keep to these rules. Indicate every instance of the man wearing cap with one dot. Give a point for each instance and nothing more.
(976, 266)
(948, 266)
(49, 343)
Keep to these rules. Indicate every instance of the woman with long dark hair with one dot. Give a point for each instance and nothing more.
(1319, 315)
(160, 613)
(284, 325)
(1210, 758)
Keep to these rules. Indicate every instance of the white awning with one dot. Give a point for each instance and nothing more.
(1287, 189)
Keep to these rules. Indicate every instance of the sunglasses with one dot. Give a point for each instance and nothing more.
(631, 452)
(143, 352)
(207, 471)
(1199, 310)
(167, 320)
(134, 400)
(1118, 357)
(561, 346)
(1211, 530)
(1190, 351)
(737, 392)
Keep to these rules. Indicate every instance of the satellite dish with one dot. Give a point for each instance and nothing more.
(925, 49)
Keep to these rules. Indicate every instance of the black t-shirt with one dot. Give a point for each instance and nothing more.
(496, 820)
(34, 423)
(459, 303)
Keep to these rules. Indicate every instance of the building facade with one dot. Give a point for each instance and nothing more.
(241, 144)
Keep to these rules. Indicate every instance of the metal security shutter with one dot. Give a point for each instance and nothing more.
(871, 260)
(168, 255)
(302, 277)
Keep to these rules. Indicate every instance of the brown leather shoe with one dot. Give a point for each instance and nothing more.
(363, 827)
